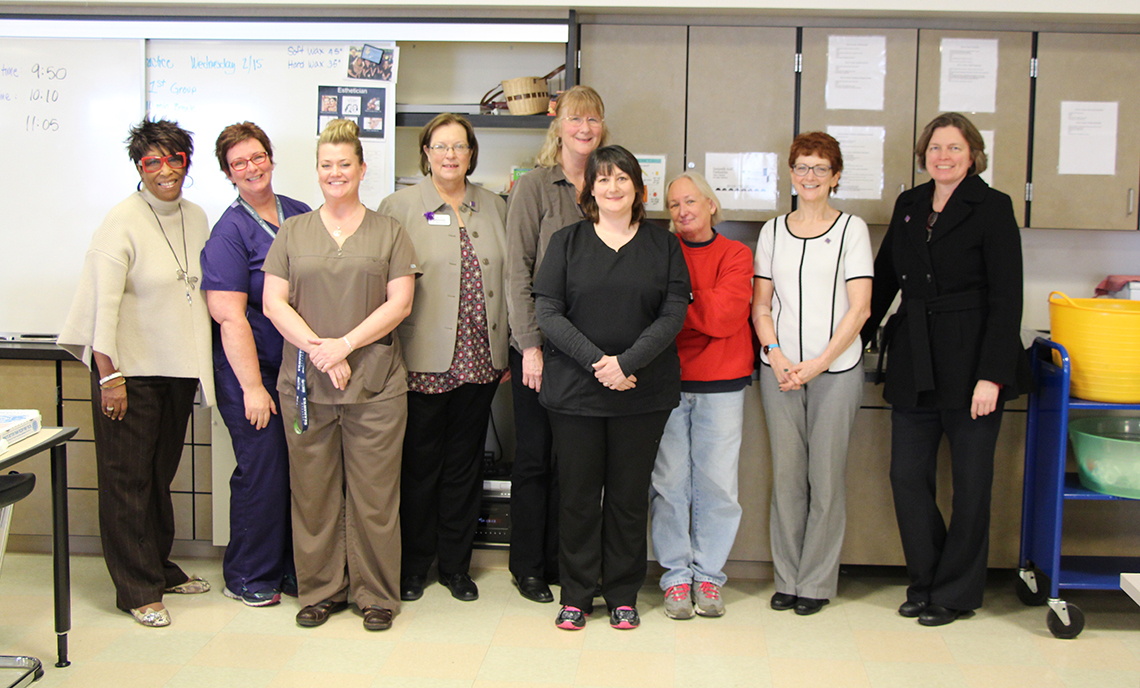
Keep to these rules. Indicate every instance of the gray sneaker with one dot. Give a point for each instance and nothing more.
(707, 597)
(679, 602)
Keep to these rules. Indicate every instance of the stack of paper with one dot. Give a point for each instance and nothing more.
(18, 424)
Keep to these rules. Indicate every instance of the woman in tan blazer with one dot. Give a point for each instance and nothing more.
(455, 347)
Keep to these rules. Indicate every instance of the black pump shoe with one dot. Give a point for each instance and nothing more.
(461, 586)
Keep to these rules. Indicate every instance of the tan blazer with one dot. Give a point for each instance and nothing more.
(428, 334)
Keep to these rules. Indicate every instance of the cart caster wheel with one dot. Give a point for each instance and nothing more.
(1059, 629)
(1026, 594)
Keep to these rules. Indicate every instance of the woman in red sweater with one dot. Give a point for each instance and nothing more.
(694, 490)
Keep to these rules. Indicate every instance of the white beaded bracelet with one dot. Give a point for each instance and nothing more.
(351, 348)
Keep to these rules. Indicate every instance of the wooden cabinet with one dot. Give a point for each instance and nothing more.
(1008, 156)
(640, 73)
(742, 92)
(1096, 68)
(896, 117)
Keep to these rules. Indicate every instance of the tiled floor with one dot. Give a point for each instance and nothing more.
(504, 640)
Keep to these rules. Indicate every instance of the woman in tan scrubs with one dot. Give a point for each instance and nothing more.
(338, 281)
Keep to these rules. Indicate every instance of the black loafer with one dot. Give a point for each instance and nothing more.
(316, 614)
(534, 588)
(461, 586)
(806, 606)
(782, 601)
(411, 588)
(377, 618)
(911, 610)
(937, 615)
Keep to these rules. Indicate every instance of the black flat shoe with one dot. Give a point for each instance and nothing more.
(806, 606)
(461, 586)
(782, 601)
(534, 588)
(911, 610)
(937, 615)
(411, 588)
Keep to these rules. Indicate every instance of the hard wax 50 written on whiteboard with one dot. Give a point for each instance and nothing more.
(65, 109)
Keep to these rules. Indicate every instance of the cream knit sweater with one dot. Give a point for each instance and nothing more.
(130, 303)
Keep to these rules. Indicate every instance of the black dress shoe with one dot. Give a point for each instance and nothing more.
(461, 586)
(534, 588)
(782, 601)
(377, 618)
(411, 588)
(316, 614)
(911, 610)
(937, 615)
(809, 605)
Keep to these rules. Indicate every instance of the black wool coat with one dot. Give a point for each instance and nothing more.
(960, 316)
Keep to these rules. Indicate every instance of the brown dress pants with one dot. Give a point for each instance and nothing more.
(136, 459)
(344, 473)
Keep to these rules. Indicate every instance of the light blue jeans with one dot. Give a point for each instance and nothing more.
(693, 495)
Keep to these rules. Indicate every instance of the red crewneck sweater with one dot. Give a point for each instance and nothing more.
(716, 341)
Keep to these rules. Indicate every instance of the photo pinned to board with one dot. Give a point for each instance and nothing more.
(371, 63)
(364, 105)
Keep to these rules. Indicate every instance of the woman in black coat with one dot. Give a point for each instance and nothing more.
(955, 357)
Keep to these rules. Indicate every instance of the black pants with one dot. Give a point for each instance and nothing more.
(947, 566)
(442, 477)
(604, 468)
(534, 485)
(136, 460)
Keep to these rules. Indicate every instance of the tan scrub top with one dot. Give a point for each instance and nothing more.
(334, 290)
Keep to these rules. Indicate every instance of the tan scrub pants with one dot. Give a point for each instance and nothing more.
(344, 473)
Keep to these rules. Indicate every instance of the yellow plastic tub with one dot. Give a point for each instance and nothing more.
(1102, 337)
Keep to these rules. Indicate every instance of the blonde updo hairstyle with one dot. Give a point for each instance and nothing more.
(341, 131)
(582, 101)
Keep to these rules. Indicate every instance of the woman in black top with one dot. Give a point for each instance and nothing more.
(955, 358)
(611, 296)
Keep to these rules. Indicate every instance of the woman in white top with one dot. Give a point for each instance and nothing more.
(141, 325)
(811, 297)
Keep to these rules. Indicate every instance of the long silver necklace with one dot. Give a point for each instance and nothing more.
(182, 275)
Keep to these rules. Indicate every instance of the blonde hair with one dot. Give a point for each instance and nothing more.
(703, 187)
(580, 100)
(341, 131)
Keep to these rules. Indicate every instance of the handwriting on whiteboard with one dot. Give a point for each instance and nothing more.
(42, 88)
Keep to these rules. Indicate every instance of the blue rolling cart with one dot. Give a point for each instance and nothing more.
(1044, 571)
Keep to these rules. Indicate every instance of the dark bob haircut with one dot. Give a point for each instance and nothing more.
(442, 120)
(821, 145)
(604, 161)
(235, 134)
(161, 135)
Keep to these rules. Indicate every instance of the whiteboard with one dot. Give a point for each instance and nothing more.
(65, 108)
(208, 85)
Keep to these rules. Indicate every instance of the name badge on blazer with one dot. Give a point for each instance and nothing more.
(440, 220)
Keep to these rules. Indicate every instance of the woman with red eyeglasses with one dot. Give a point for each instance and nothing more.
(140, 323)
(258, 566)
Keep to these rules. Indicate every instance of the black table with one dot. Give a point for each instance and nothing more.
(54, 439)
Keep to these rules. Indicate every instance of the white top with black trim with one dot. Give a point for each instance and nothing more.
(810, 284)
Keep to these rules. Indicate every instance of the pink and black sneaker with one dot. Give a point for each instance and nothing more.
(570, 619)
(624, 618)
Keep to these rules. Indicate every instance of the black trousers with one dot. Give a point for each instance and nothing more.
(946, 565)
(604, 469)
(442, 477)
(136, 460)
(534, 485)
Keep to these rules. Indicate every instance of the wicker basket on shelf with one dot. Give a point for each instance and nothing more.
(527, 95)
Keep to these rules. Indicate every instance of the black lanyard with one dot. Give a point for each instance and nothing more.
(301, 423)
(259, 219)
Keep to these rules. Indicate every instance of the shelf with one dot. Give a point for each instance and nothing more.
(418, 119)
(1084, 404)
(1074, 490)
(1095, 573)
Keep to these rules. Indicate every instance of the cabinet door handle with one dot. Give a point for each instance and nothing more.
(1131, 200)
